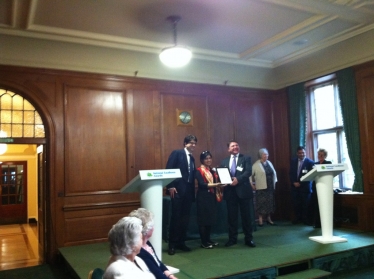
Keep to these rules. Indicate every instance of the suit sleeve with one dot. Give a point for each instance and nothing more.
(247, 167)
(172, 163)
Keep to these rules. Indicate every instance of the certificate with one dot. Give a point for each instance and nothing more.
(224, 175)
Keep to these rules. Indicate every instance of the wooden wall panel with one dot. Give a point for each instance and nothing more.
(221, 126)
(365, 103)
(254, 126)
(95, 140)
(173, 134)
(102, 129)
(143, 126)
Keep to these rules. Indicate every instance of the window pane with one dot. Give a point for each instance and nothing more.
(328, 141)
(324, 101)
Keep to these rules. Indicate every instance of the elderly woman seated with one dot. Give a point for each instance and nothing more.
(125, 240)
(147, 253)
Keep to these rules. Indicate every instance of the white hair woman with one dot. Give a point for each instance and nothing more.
(263, 180)
(125, 240)
(147, 252)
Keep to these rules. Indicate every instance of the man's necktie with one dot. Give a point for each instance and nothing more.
(233, 166)
(299, 168)
(191, 169)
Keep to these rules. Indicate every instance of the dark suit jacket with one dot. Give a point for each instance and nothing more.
(157, 270)
(305, 186)
(243, 189)
(178, 160)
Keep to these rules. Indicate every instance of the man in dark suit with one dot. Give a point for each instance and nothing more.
(238, 195)
(182, 194)
(301, 191)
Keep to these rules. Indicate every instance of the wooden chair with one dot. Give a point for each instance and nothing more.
(96, 273)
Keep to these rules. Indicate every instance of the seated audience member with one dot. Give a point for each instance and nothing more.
(147, 252)
(125, 239)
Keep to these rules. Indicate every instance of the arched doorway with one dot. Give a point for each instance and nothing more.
(23, 147)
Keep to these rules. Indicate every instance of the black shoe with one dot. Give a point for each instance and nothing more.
(230, 243)
(271, 223)
(296, 222)
(317, 226)
(206, 246)
(211, 242)
(183, 247)
(250, 243)
(171, 251)
(260, 225)
(308, 223)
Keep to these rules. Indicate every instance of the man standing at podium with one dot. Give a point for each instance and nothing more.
(182, 194)
(301, 191)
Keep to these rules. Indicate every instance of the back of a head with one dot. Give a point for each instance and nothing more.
(146, 216)
(124, 235)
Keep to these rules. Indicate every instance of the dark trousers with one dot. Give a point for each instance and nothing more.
(234, 204)
(301, 204)
(180, 217)
(316, 218)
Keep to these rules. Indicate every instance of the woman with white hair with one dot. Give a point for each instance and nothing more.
(147, 252)
(263, 180)
(125, 240)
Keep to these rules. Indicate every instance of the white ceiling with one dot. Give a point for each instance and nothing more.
(258, 33)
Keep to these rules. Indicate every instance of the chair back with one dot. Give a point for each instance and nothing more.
(96, 273)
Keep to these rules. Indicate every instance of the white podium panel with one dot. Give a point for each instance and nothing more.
(149, 184)
(323, 175)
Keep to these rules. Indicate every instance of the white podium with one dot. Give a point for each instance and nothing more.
(323, 175)
(149, 183)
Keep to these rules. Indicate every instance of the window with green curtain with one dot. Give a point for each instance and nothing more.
(348, 102)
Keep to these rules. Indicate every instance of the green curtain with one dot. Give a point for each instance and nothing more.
(348, 103)
(297, 109)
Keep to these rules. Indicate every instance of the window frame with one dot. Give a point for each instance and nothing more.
(312, 134)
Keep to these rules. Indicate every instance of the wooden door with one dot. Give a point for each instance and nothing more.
(42, 203)
(13, 192)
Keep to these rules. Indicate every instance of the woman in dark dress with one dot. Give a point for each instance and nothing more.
(206, 199)
(322, 155)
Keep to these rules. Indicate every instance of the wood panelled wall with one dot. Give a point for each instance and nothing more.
(101, 130)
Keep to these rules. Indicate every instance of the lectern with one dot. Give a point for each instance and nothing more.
(323, 175)
(149, 184)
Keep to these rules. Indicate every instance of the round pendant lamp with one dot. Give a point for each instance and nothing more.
(175, 56)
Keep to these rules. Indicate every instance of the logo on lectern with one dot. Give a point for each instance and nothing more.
(149, 174)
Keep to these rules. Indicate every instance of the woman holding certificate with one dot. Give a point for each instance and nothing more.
(206, 199)
(263, 180)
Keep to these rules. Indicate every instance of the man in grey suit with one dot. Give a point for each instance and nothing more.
(238, 195)
(182, 194)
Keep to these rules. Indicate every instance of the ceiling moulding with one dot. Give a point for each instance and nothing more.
(322, 45)
(94, 39)
(287, 35)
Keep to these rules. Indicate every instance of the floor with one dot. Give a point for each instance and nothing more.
(19, 246)
(277, 246)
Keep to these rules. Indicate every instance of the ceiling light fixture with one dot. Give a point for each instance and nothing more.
(175, 56)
